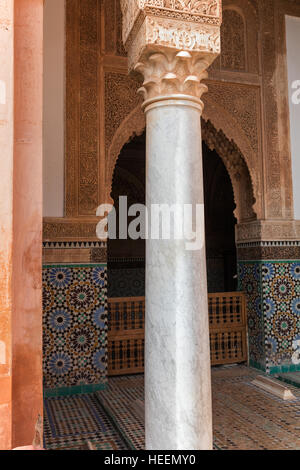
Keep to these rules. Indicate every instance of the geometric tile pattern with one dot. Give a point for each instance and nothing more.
(244, 416)
(249, 275)
(247, 418)
(281, 295)
(118, 400)
(273, 301)
(74, 325)
(71, 422)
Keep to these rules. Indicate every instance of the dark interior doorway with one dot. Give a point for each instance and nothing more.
(126, 258)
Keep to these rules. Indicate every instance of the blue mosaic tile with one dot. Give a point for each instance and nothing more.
(74, 326)
(273, 303)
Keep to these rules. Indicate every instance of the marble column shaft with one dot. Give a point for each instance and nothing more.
(177, 357)
(172, 45)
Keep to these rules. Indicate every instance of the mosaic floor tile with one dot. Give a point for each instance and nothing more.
(244, 416)
(71, 422)
(117, 401)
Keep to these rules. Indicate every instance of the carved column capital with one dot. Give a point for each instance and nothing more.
(172, 43)
(168, 73)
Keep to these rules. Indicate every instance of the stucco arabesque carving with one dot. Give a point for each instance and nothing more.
(134, 124)
(167, 72)
(171, 43)
(197, 11)
(237, 170)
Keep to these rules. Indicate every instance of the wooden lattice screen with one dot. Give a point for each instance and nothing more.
(126, 320)
(227, 328)
(126, 335)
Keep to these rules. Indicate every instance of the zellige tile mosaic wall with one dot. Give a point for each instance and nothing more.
(273, 307)
(74, 327)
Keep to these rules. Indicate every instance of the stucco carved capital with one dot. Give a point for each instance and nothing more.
(167, 72)
(172, 43)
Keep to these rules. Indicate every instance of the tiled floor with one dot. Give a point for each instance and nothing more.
(245, 417)
(119, 401)
(70, 423)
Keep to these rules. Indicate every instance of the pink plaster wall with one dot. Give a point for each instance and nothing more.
(27, 222)
(6, 201)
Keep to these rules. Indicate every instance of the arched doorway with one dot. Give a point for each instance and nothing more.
(219, 224)
(126, 258)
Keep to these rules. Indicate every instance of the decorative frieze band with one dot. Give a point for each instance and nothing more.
(269, 244)
(197, 11)
(71, 245)
(69, 229)
(181, 25)
(74, 252)
(268, 231)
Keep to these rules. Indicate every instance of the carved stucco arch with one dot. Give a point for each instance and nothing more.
(133, 125)
(224, 122)
(221, 133)
(236, 168)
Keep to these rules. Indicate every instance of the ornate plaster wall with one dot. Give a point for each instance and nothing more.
(247, 107)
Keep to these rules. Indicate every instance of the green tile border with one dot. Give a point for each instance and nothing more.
(288, 381)
(71, 391)
(257, 365)
(284, 369)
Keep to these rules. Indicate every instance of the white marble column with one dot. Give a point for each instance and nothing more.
(172, 45)
(177, 358)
